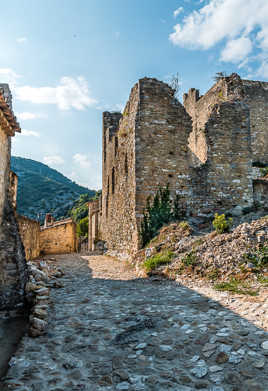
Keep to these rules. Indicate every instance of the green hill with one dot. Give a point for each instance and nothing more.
(42, 190)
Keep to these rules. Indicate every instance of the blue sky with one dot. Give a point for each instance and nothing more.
(69, 60)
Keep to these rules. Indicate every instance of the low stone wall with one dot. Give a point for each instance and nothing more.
(30, 236)
(60, 238)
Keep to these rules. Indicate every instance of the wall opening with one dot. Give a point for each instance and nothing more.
(115, 145)
(126, 165)
(113, 180)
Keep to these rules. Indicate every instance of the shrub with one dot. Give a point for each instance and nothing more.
(190, 259)
(258, 258)
(82, 227)
(157, 260)
(221, 224)
(264, 171)
(162, 210)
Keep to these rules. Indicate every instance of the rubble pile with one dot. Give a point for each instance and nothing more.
(43, 276)
(219, 255)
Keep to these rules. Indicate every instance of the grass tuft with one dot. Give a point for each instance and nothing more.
(157, 260)
(236, 286)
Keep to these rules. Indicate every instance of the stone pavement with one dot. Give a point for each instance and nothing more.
(109, 330)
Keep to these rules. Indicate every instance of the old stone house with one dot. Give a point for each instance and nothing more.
(13, 269)
(209, 150)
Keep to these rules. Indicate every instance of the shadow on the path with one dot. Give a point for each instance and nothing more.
(177, 328)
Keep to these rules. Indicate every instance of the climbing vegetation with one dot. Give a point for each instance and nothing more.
(159, 211)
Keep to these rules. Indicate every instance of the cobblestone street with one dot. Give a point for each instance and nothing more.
(109, 330)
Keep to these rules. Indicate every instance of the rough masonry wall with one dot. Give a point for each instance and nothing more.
(256, 97)
(58, 239)
(13, 188)
(252, 93)
(261, 191)
(225, 180)
(148, 150)
(30, 236)
(13, 268)
(5, 147)
(162, 131)
(118, 222)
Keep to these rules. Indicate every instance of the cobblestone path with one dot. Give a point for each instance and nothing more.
(109, 330)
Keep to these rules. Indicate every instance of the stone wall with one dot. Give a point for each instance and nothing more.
(253, 93)
(204, 151)
(118, 223)
(224, 181)
(261, 191)
(30, 236)
(13, 268)
(13, 188)
(256, 97)
(148, 149)
(60, 238)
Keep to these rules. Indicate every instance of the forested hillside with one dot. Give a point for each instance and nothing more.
(42, 189)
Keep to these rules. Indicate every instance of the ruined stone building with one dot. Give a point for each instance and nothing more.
(209, 150)
(13, 269)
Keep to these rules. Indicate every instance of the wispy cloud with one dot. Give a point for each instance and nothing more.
(82, 160)
(86, 170)
(21, 39)
(53, 160)
(7, 75)
(242, 25)
(24, 116)
(29, 133)
(111, 107)
(177, 12)
(70, 93)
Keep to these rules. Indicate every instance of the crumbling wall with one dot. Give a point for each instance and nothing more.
(161, 150)
(261, 191)
(118, 226)
(13, 268)
(203, 150)
(256, 97)
(253, 93)
(147, 150)
(59, 238)
(225, 180)
(30, 236)
(13, 188)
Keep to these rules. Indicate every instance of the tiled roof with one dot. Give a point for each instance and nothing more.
(8, 121)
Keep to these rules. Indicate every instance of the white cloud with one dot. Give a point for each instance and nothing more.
(86, 170)
(177, 12)
(236, 50)
(29, 133)
(7, 75)
(82, 160)
(112, 107)
(53, 160)
(243, 24)
(21, 39)
(69, 93)
(26, 115)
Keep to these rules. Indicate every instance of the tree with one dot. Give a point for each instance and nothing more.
(82, 227)
(175, 83)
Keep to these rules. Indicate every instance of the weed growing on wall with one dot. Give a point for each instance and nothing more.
(162, 210)
(221, 224)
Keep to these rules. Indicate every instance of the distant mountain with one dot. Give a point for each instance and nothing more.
(42, 190)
